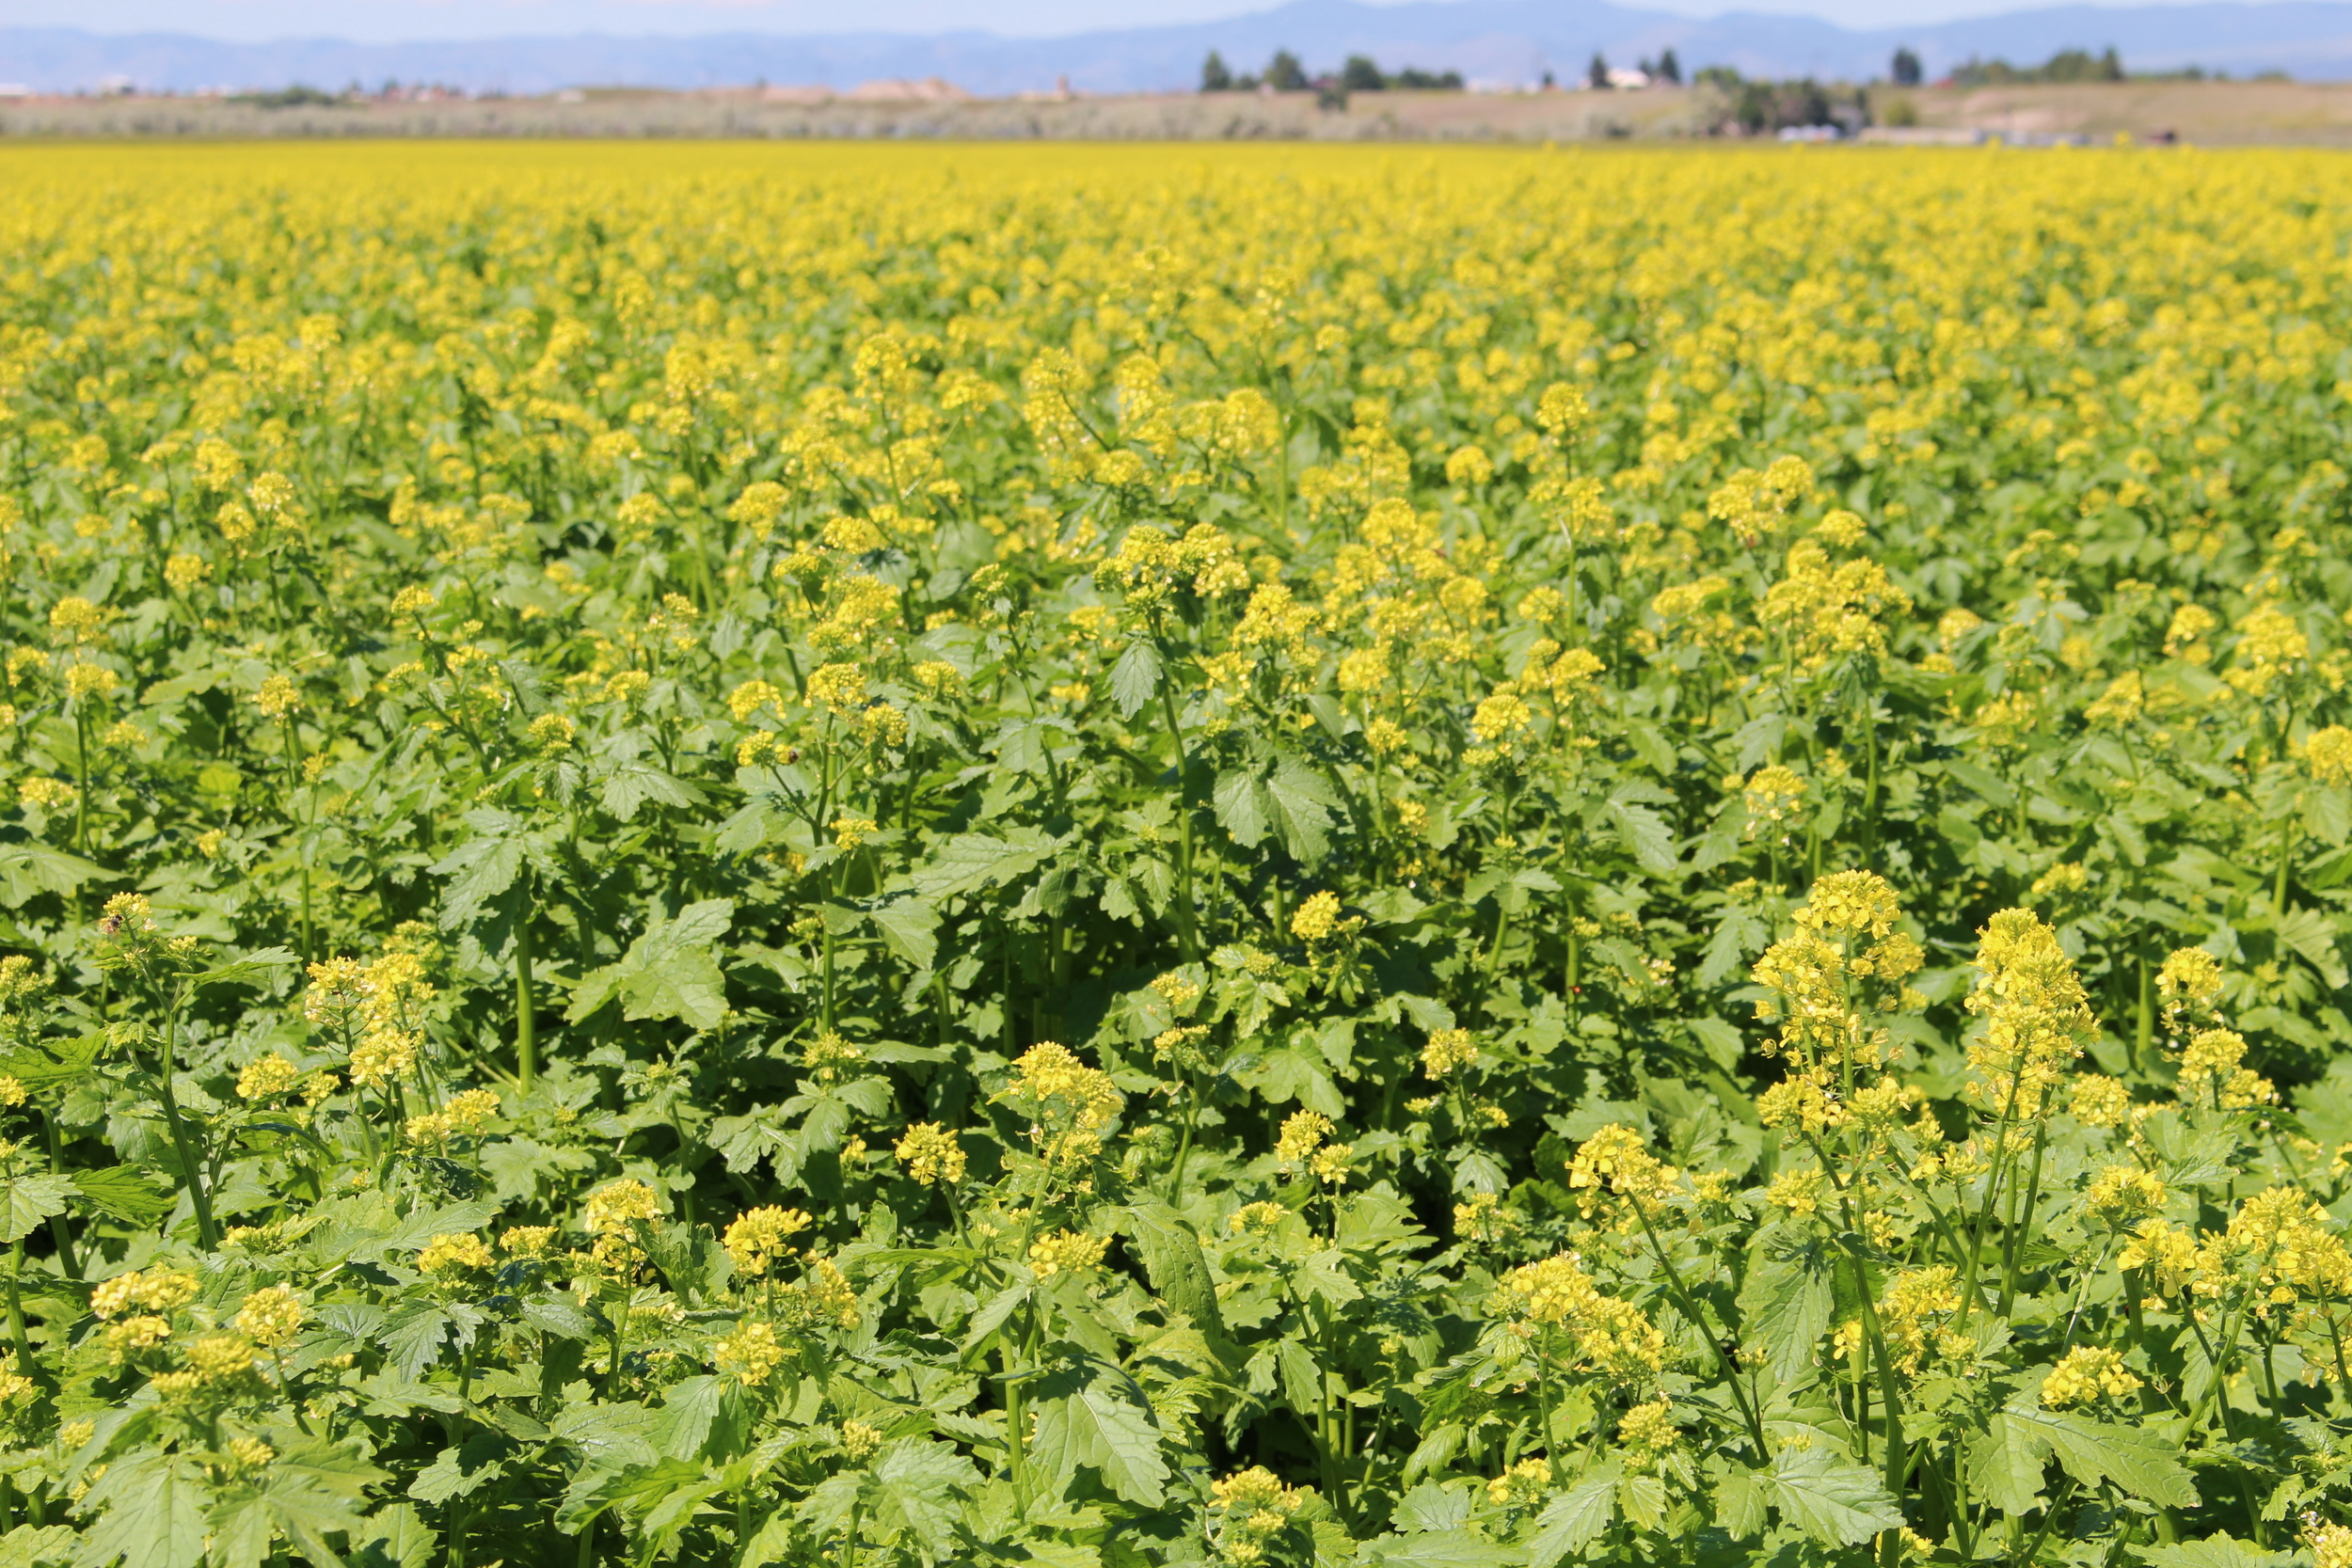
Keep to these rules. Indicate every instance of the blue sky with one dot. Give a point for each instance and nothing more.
(400, 21)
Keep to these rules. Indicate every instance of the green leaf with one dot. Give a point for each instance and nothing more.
(1645, 837)
(1302, 1375)
(1786, 1305)
(2141, 1463)
(1091, 1413)
(910, 927)
(608, 1436)
(305, 1495)
(124, 1193)
(421, 1225)
(462, 1470)
(1451, 1548)
(411, 1335)
(154, 1514)
(1179, 1270)
(770, 1542)
(1286, 1073)
(640, 1486)
(480, 869)
(1575, 1518)
(968, 863)
(396, 1538)
(670, 971)
(1136, 678)
(26, 1201)
(38, 1547)
(57, 1061)
(915, 1487)
(27, 869)
(1833, 1500)
(254, 969)
(1740, 1504)
(1241, 807)
(1298, 804)
(632, 784)
(2215, 1551)
(2006, 1465)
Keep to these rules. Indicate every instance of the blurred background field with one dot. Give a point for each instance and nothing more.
(2215, 113)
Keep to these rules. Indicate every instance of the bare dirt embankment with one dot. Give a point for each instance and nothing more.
(2210, 112)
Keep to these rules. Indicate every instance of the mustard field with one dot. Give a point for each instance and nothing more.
(869, 855)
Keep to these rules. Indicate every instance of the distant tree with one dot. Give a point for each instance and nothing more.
(1215, 77)
(1414, 79)
(1283, 72)
(1906, 67)
(2067, 65)
(1361, 73)
(1597, 74)
(1550, 81)
(1797, 104)
(1670, 68)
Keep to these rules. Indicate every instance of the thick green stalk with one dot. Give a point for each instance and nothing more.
(525, 1003)
(16, 1309)
(1689, 1309)
(1188, 929)
(1183, 1142)
(81, 766)
(2144, 1025)
(59, 1230)
(197, 1197)
(2016, 1239)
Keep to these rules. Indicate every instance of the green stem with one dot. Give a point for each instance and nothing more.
(1689, 1309)
(1188, 931)
(199, 1198)
(526, 1004)
(81, 766)
(1543, 1399)
(2015, 1241)
(16, 1310)
(2144, 1025)
(58, 1229)
(1183, 1142)
(1016, 1428)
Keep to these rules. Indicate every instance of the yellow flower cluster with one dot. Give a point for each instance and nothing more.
(1522, 1486)
(1069, 1104)
(757, 1239)
(1616, 1161)
(1448, 1050)
(1599, 1335)
(266, 1077)
(158, 1289)
(931, 1154)
(270, 1317)
(2087, 1374)
(1250, 1510)
(450, 1258)
(2037, 1015)
(750, 1355)
(823, 1298)
(1066, 1252)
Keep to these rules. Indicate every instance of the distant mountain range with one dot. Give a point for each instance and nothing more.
(1489, 41)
